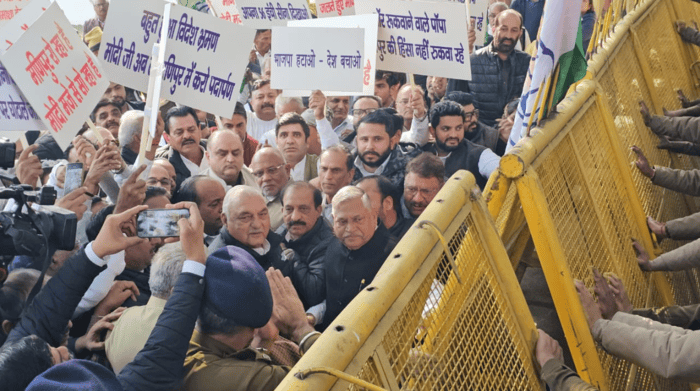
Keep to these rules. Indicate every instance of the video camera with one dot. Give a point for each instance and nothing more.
(29, 233)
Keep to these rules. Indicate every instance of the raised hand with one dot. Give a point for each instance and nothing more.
(28, 168)
(111, 240)
(74, 201)
(642, 163)
(133, 191)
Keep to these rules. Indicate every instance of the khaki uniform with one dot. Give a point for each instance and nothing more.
(677, 128)
(667, 351)
(211, 365)
(559, 377)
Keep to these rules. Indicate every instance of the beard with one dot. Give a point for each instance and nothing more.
(380, 158)
(444, 147)
(505, 45)
(119, 101)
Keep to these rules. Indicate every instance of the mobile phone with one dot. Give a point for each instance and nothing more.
(160, 223)
(74, 177)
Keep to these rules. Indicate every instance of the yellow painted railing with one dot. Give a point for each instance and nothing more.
(446, 311)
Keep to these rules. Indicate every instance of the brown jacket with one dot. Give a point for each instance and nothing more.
(683, 258)
(677, 128)
(684, 228)
(211, 365)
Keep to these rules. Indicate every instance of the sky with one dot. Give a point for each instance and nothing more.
(77, 11)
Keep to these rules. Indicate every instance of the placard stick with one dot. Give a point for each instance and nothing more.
(219, 124)
(154, 84)
(92, 126)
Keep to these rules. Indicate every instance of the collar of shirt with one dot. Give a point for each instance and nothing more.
(192, 167)
(298, 170)
(264, 249)
(346, 124)
(360, 166)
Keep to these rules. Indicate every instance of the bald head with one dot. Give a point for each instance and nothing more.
(225, 154)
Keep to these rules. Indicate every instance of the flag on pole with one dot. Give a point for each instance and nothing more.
(560, 62)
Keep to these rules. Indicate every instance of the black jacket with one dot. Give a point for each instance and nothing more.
(484, 135)
(490, 89)
(350, 271)
(309, 277)
(401, 226)
(158, 366)
(272, 258)
(395, 168)
(465, 157)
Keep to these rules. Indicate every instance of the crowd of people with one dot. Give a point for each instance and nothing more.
(294, 204)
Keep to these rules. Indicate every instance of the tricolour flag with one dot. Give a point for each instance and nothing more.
(559, 43)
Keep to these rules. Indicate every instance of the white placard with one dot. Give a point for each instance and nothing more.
(203, 63)
(369, 24)
(427, 38)
(10, 8)
(302, 58)
(14, 28)
(261, 14)
(57, 73)
(15, 112)
(331, 8)
(479, 12)
(227, 10)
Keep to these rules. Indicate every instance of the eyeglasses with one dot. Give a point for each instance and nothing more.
(426, 193)
(361, 112)
(270, 171)
(470, 114)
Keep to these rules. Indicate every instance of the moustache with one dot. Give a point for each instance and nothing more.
(188, 141)
(297, 222)
(512, 41)
(364, 154)
(109, 124)
(270, 105)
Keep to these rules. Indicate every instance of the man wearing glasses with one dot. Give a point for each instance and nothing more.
(272, 174)
(101, 7)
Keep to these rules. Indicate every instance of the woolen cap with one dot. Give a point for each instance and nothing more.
(76, 375)
(236, 287)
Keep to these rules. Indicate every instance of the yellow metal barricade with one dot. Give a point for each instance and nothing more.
(444, 313)
(581, 195)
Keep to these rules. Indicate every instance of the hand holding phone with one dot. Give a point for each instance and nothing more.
(74, 177)
(160, 223)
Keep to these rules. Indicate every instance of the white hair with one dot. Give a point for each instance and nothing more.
(236, 194)
(130, 124)
(349, 193)
(165, 269)
(281, 101)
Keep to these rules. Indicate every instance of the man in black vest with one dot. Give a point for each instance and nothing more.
(358, 252)
(457, 153)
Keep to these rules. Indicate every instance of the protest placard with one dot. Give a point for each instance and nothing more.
(15, 112)
(428, 38)
(260, 14)
(200, 70)
(57, 73)
(369, 24)
(478, 11)
(227, 10)
(10, 8)
(330, 8)
(304, 58)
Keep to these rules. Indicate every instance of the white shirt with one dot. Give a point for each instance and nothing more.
(298, 170)
(256, 127)
(264, 249)
(192, 167)
(325, 132)
(345, 125)
(360, 166)
(418, 133)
